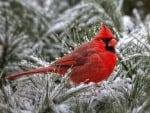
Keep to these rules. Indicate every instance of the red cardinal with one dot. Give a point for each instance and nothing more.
(92, 61)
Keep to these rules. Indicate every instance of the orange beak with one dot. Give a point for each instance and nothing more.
(112, 43)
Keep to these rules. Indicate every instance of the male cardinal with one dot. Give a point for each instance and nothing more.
(92, 61)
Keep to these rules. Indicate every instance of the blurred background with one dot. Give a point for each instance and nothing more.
(35, 33)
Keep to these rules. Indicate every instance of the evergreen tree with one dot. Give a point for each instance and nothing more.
(34, 33)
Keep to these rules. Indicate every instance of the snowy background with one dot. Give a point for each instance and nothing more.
(35, 33)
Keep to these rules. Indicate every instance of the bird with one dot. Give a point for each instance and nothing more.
(92, 61)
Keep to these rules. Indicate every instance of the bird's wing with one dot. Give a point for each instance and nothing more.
(67, 60)
(76, 57)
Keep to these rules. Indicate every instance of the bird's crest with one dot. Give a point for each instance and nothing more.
(104, 32)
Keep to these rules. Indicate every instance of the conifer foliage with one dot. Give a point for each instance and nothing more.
(34, 33)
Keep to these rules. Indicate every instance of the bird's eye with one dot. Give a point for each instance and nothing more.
(106, 40)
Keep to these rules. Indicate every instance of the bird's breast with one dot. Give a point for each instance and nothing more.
(98, 66)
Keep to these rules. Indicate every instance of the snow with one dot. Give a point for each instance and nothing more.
(64, 108)
(111, 89)
(127, 23)
(33, 94)
(26, 111)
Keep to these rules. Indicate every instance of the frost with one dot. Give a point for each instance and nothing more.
(110, 88)
(64, 108)
(73, 14)
(25, 111)
(128, 23)
(33, 34)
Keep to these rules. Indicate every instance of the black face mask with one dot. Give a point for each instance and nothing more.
(108, 48)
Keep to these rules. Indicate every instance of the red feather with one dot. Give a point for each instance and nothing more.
(93, 61)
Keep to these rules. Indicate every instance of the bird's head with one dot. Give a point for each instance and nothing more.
(106, 36)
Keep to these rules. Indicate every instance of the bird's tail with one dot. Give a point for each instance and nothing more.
(33, 71)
